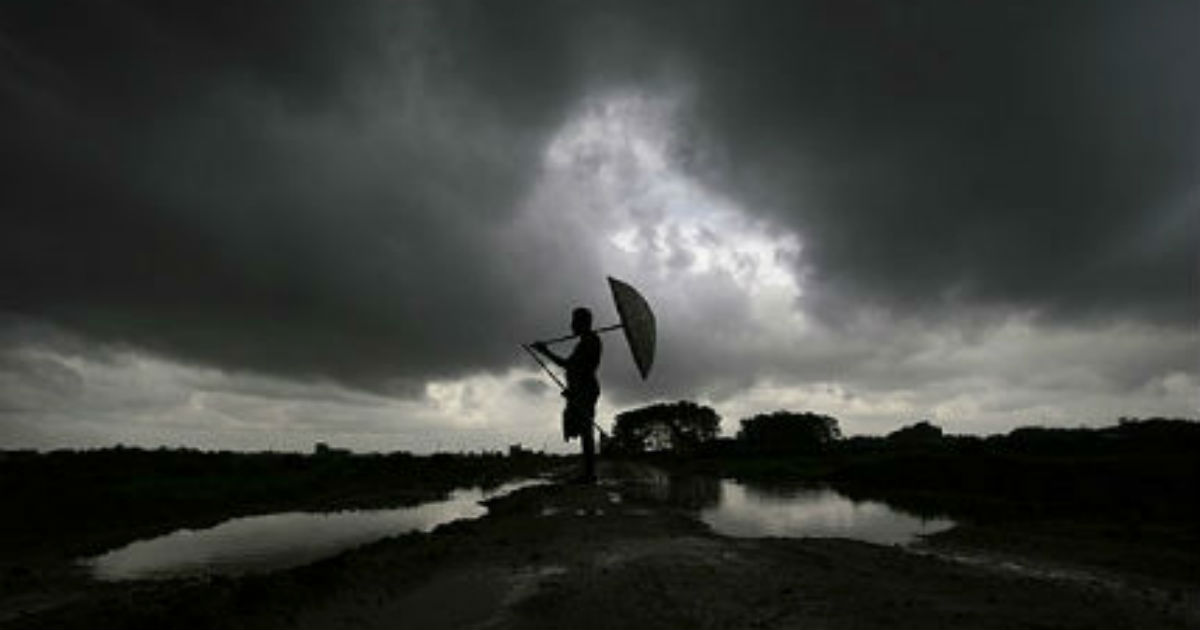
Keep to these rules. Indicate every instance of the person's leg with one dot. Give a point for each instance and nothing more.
(588, 438)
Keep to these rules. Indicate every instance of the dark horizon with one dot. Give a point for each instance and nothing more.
(326, 448)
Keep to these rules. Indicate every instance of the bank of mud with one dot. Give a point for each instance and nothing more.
(614, 556)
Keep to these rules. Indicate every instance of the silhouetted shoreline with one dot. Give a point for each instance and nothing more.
(1114, 501)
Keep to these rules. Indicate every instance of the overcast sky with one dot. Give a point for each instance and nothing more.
(259, 225)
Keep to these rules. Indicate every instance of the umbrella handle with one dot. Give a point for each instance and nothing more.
(544, 366)
(573, 336)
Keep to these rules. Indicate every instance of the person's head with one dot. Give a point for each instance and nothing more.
(581, 320)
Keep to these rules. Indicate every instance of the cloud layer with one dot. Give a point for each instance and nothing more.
(818, 197)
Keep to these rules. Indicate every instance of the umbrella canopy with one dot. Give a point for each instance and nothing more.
(637, 321)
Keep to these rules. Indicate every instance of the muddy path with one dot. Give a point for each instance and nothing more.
(612, 556)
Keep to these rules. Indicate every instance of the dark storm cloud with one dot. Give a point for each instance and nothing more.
(327, 189)
(211, 180)
(1021, 155)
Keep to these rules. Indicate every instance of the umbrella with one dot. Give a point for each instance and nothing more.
(637, 322)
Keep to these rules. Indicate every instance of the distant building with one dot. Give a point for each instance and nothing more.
(324, 450)
(516, 450)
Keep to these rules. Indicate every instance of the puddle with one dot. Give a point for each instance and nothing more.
(747, 511)
(278, 541)
(742, 510)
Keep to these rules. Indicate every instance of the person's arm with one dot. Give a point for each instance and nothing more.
(541, 347)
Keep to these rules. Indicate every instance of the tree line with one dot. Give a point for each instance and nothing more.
(686, 427)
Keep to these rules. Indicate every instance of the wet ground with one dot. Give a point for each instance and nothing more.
(631, 552)
(274, 541)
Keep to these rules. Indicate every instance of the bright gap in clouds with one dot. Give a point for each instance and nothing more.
(655, 221)
(612, 184)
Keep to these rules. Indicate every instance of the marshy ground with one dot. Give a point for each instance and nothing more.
(626, 554)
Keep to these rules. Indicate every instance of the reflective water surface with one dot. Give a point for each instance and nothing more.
(278, 541)
(749, 511)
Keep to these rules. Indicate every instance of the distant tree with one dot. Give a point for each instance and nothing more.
(680, 426)
(1157, 432)
(1058, 440)
(923, 432)
(789, 432)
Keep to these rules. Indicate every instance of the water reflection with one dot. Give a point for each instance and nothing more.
(691, 491)
(748, 511)
(278, 541)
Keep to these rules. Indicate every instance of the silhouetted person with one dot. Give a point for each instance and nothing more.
(583, 388)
